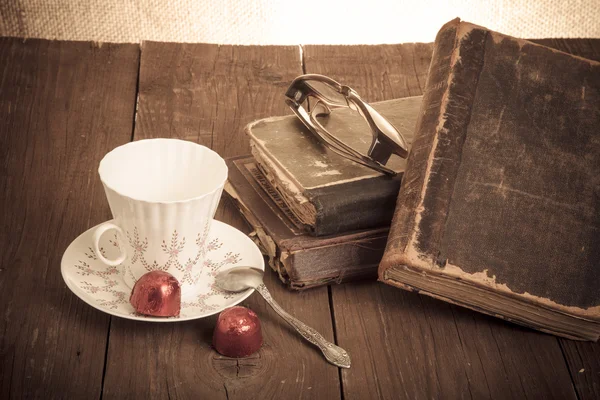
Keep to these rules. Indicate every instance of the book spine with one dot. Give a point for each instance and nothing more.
(353, 206)
(306, 268)
(435, 156)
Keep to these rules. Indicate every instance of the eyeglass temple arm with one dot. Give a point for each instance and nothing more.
(386, 139)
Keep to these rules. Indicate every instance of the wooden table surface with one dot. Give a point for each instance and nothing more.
(63, 105)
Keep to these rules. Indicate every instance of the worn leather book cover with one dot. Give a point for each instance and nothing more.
(328, 193)
(301, 260)
(499, 208)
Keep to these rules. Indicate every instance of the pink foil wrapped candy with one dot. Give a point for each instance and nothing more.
(158, 294)
(237, 333)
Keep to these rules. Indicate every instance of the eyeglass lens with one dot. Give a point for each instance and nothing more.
(327, 92)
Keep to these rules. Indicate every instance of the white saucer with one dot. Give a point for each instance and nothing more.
(103, 287)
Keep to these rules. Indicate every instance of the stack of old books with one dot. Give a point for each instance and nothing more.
(319, 218)
(499, 207)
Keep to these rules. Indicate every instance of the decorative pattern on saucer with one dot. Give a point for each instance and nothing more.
(173, 248)
(104, 288)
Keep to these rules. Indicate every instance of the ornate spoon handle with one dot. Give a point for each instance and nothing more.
(334, 354)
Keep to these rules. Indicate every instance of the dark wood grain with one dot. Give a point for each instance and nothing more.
(413, 347)
(584, 364)
(377, 73)
(508, 361)
(63, 105)
(208, 93)
(418, 347)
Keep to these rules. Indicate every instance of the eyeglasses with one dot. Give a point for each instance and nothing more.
(329, 95)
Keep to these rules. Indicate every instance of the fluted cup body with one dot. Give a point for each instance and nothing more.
(163, 194)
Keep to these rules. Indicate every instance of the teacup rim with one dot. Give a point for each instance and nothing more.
(217, 188)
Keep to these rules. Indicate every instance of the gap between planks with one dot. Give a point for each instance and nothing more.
(134, 117)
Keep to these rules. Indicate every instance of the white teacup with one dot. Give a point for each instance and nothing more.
(163, 194)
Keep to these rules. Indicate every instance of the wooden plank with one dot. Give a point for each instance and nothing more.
(417, 347)
(584, 364)
(511, 360)
(411, 346)
(63, 105)
(376, 72)
(208, 93)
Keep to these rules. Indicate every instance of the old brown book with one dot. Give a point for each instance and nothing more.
(328, 193)
(301, 260)
(499, 208)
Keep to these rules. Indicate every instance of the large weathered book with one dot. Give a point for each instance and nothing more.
(499, 208)
(301, 260)
(328, 193)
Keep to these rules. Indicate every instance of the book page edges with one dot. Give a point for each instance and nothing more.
(282, 173)
(289, 188)
(301, 206)
(267, 244)
(590, 334)
(424, 264)
(261, 237)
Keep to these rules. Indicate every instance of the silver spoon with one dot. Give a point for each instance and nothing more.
(238, 279)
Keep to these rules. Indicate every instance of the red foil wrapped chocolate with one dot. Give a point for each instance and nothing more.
(158, 294)
(237, 333)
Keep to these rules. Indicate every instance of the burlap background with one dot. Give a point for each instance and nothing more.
(289, 22)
